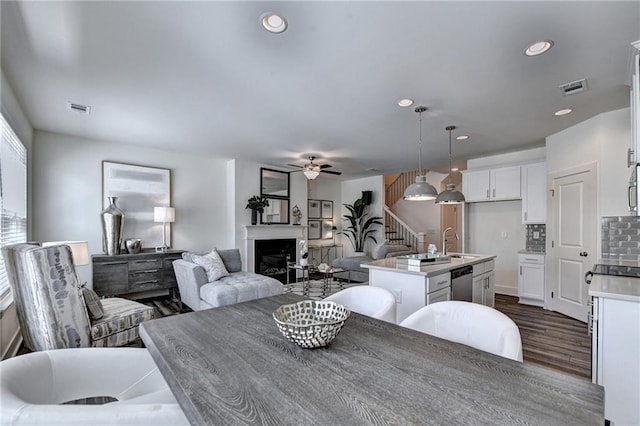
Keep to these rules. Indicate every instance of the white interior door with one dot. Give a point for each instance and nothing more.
(573, 213)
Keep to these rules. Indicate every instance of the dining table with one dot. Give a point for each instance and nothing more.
(231, 365)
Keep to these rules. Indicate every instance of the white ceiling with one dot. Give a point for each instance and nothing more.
(205, 77)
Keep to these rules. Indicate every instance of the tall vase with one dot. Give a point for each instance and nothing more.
(112, 219)
(254, 217)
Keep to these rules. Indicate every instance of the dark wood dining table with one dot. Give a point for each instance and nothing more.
(231, 365)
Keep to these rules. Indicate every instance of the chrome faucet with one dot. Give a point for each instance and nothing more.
(444, 241)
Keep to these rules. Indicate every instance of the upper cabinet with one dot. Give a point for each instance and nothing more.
(633, 156)
(534, 193)
(501, 183)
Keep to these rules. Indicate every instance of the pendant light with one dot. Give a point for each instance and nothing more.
(420, 190)
(450, 195)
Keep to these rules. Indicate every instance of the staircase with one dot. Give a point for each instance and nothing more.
(397, 231)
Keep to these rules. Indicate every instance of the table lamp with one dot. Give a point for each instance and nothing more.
(334, 229)
(164, 215)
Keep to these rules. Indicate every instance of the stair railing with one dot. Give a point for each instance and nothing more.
(395, 190)
(398, 231)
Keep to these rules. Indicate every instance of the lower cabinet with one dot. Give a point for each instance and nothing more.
(531, 279)
(484, 284)
(132, 274)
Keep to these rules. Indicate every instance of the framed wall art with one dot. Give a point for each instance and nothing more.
(327, 209)
(314, 209)
(327, 229)
(314, 229)
(138, 190)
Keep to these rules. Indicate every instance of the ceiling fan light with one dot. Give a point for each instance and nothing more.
(421, 190)
(311, 174)
(450, 196)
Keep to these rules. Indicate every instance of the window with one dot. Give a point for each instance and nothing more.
(13, 194)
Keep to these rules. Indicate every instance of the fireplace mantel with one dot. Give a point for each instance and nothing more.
(269, 232)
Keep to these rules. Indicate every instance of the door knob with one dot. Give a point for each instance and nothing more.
(584, 254)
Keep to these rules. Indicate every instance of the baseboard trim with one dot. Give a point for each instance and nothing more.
(14, 346)
(509, 291)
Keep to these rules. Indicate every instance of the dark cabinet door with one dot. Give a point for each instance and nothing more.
(111, 278)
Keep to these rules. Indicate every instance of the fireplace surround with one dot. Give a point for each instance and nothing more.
(256, 233)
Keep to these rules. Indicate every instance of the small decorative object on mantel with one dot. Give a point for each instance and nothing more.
(311, 323)
(297, 215)
(257, 204)
(133, 245)
(112, 219)
(304, 253)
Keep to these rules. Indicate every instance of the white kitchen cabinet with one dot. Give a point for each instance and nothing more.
(633, 156)
(501, 183)
(534, 193)
(531, 271)
(616, 357)
(483, 284)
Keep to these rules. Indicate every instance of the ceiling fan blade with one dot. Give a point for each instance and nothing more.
(331, 172)
(325, 166)
(295, 165)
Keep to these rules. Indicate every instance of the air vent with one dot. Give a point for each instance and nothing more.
(574, 87)
(81, 109)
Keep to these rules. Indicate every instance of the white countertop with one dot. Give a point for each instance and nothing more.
(429, 270)
(540, 252)
(614, 287)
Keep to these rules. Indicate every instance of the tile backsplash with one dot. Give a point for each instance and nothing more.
(536, 237)
(621, 237)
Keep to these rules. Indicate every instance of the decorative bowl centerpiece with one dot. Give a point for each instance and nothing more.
(311, 323)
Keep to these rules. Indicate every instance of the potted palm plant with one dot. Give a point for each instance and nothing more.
(257, 204)
(360, 225)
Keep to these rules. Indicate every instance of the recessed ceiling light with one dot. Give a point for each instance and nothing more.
(454, 169)
(462, 137)
(405, 102)
(563, 111)
(538, 48)
(273, 22)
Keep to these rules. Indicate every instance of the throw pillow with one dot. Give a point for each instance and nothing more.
(94, 305)
(212, 264)
(379, 251)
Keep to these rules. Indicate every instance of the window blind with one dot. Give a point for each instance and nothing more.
(13, 194)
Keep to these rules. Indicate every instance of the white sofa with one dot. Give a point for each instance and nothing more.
(360, 274)
(198, 293)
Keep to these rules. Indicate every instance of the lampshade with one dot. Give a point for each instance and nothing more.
(420, 190)
(311, 174)
(79, 250)
(164, 214)
(450, 195)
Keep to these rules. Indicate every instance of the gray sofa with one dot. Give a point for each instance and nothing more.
(360, 274)
(198, 294)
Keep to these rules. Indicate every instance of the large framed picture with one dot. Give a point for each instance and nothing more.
(327, 209)
(327, 229)
(138, 190)
(314, 209)
(314, 229)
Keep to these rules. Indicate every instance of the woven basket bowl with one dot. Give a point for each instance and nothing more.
(311, 323)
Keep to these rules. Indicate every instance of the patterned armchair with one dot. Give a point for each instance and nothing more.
(51, 308)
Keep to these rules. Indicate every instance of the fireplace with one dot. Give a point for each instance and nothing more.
(271, 258)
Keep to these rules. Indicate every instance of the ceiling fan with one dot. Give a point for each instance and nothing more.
(311, 170)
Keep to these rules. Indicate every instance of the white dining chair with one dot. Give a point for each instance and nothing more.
(375, 302)
(471, 324)
(35, 387)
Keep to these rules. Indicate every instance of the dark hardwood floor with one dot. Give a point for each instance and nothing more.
(549, 338)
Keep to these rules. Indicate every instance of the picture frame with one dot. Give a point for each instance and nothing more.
(313, 210)
(314, 229)
(327, 209)
(327, 229)
(138, 190)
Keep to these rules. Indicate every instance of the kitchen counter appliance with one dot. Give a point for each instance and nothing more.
(462, 283)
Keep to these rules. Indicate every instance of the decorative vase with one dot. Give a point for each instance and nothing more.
(112, 219)
(254, 217)
(133, 245)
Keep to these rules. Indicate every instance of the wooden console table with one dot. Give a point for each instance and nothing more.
(131, 274)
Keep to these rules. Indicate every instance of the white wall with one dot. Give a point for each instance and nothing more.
(496, 228)
(351, 191)
(423, 216)
(10, 337)
(67, 191)
(516, 157)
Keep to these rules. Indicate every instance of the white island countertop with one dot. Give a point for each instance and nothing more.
(614, 287)
(429, 269)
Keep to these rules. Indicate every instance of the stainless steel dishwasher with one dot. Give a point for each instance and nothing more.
(462, 283)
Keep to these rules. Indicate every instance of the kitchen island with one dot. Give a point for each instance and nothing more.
(415, 287)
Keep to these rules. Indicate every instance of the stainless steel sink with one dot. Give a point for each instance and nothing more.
(462, 256)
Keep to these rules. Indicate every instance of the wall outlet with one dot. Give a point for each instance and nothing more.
(398, 294)
(536, 235)
(504, 234)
